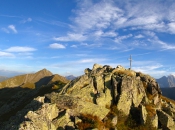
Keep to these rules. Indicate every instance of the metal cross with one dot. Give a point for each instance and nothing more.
(130, 59)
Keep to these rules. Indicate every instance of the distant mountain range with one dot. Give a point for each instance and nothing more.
(2, 78)
(167, 85)
(167, 81)
(70, 77)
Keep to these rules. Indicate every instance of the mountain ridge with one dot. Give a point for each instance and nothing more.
(19, 80)
(102, 98)
(26, 87)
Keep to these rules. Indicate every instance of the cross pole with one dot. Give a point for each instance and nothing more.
(130, 59)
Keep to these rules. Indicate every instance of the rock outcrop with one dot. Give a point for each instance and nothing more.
(102, 98)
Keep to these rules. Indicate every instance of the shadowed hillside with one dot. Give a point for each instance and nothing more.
(26, 87)
(169, 92)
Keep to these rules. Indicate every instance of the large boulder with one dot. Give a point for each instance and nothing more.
(166, 121)
(78, 106)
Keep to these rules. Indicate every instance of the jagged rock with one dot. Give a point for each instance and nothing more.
(125, 101)
(78, 106)
(118, 68)
(104, 90)
(166, 120)
(87, 71)
(154, 121)
(143, 114)
(77, 120)
(42, 118)
(114, 121)
(97, 66)
(138, 92)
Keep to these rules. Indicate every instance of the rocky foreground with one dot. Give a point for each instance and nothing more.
(103, 98)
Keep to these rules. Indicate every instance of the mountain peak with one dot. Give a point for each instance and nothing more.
(172, 75)
(167, 81)
(44, 72)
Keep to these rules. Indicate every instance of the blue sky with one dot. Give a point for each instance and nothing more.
(67, 36)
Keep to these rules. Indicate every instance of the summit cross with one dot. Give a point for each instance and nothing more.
(130, 59)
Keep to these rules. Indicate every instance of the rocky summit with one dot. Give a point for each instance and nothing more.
(104, 98)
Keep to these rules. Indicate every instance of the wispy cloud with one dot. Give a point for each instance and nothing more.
(126, 50)
(6, 54)
(95, 22)
(139, 36)
(74, 46)
(12, 27)
(57, 46)
(96, 15)
(26, 20)
(120, 38)
(20, 49)
(71, 37)
(5, 30)
(93, 60)
(171, 27)
(10, 16)
(154, 69)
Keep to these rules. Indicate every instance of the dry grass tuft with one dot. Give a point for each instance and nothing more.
(89, 122)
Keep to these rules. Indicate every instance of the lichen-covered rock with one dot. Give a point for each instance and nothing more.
(104, 91)
(114, 121)
(154, 121)
(125, 100)
(138, 92)
(78, 105)
(41, 119)
(87, 71)
(166, 120)
(143, 114)
(97, 66)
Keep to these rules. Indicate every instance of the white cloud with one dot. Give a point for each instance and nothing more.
(6, 54)
(101, 21)
(5, 30)
(12, 27)
(120, 38)
(100, 33)
(154, 70)
(74, 46)
(71, 37)
(125, 50)
(20, 49)
(155, 41)
(57, 46)
(110, 34)
(172, 27)
(93, 60)
(26, 20)
(165, 45)
(96, 15)
(139, 36)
